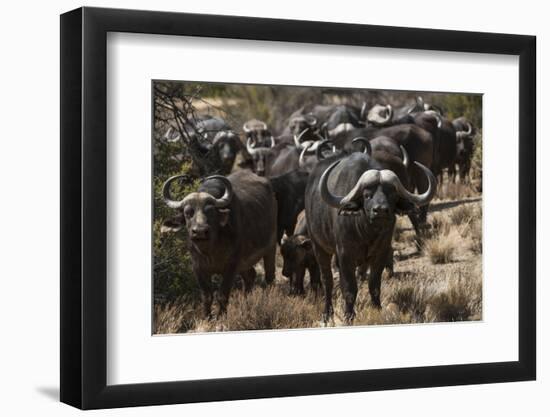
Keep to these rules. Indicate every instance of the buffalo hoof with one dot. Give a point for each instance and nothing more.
(348, 319)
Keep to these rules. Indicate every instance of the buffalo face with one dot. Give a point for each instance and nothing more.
(379, 194)
(300, 124)
(294, 250)
(464, 143)
(259, 155)
(226, 144)
(258, 132)
(200, 212)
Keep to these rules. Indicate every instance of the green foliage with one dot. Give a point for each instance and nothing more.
(457, 105)
(172, 271)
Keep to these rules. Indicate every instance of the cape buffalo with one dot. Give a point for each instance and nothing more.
(465, 133)
(418, 142)
(297, 252)
(282, 158)
(231, 224)
(351, 205)
(258, 132)
(289, 191)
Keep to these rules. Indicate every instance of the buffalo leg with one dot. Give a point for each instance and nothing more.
(314, 277)
(389, 262)
(324, 261)
(248, 278)
(348, 286)
(269, 265)
(205, 285)
(362, 272)
(224, 292)
(375, 281)
(297, 283)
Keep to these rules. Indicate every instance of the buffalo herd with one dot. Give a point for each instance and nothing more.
(325, 191)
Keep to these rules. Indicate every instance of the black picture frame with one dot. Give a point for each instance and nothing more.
(84, 207)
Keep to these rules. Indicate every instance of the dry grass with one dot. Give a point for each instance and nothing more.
(462, 214)
(264, 309)
(441, 248)
(456, 191)
(440, 283)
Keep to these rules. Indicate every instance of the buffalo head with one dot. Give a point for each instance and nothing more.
(465, 142)
(200, 212)
(259, 155)
(258, 132)
(379, 194)
(380, 115)
(298, 124)
(294, 250)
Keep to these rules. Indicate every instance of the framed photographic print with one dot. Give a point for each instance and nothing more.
(257, 208)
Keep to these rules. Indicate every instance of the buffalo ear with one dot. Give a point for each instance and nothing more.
(173, 224)
(404, 206)
(224, 216)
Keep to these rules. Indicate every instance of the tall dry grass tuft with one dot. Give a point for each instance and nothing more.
(476, 238)
(441, 248)
(265, 309)
(440, 224)
(461, 301)
(462, 214)
(175, 317)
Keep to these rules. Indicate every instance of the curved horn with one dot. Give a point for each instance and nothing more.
(405, 156)
(249, 148)
(329, 198)
(390, 114)
(246, 128)
(367, 148)
(168, 135)
(297, 138)
(272, 141)
(461, 135)
(389, 177)
(225, 200)
(363, 113)
(301, 162)
(219, 135)
(470, 129)
(314, 122)
(321, 147)
(175, 204)
(437, 117)
(265, 126)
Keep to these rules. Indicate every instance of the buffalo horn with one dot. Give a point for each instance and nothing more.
(389, 177)
(363, 114)
(405, 156)
(301, 162)
(297, 138)
(326, 195)
(390, 114)
(166, 192)
(225, 200)
(168, 135)
(249, 147)
(367, 148)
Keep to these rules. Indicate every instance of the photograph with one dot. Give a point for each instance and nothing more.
(296, 207)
